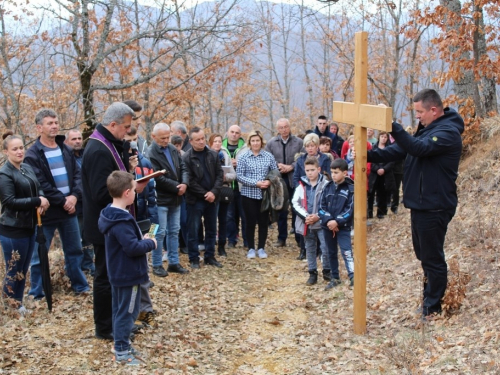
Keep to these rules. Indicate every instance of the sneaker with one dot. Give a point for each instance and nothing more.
(127, 359)
(159, 271)
(352, 233)
(332, 284)
(280, 243)
(164, 258)
(201, 247)
(147, 318)
(251, 254)
(23, 311)
(262, 254)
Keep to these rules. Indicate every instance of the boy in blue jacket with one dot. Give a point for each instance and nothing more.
(336, 213)
(126, 261)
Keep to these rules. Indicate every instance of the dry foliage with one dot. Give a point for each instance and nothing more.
(258, 317)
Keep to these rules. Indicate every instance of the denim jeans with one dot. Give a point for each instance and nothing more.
(69, 233)
(169, 219)
(343, 239)
(194, 213)
(88, 251)
(311, 242)
(234, 212)
(125, 303)
(15, 274)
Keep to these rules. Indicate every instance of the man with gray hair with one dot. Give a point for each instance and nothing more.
(105, 152)
(180, 129)
(170, 189)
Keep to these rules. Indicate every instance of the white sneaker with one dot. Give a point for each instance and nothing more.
(23, 311)
(262, 254)
(201, 247)
(165, 257)
(352, 233)
(251, 254)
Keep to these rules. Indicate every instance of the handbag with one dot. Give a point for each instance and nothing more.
(226, 194)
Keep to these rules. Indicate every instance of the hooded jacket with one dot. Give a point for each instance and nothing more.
(431, 165)
(35, 156)
(337, 203)
(125, 249)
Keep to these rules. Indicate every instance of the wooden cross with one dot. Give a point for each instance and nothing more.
(362, 116)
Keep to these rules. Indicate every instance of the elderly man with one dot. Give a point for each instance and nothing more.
(284, 147)
(59, 176)
(105, 152)
(236, 146)
(170, 189)
(180, 129)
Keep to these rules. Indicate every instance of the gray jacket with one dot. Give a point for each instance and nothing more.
(293, 146)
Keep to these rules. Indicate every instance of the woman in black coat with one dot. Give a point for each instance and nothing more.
(381, 180)
(20, 196)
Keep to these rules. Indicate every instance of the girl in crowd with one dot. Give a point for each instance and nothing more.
(253, 167)
(380, 180)
(20, 196)
(215, 143)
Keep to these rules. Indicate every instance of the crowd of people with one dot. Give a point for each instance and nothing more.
(205, 194)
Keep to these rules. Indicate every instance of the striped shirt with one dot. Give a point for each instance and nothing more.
(57, 168)
(252, 169)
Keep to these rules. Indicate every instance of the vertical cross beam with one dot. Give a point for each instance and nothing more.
(363, 116)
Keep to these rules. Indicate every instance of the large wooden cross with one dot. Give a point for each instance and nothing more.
(362, 116)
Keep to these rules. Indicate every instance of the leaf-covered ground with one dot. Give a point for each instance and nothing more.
(258, 317)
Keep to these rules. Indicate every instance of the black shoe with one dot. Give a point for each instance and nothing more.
(183, 250)
(212, 262)
(327, 276)
(302, 255)
(231, 245)
(195, 265)
(394, 210)
(222, 252)
(313, 278)
(151, 284)
(177, 268)
(159, 271)
(280, 243)
(370, 214)
(104, 336)
(380, 215)
(333, 283)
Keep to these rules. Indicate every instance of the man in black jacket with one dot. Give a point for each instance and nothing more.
(429, 188)
(59, 176)
(205, 182)
(105, 152)
(170, 188)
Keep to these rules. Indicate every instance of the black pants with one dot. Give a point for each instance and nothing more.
(428, 230)
(379, 189)
(103, 311)
(398, 178)
(253, 216)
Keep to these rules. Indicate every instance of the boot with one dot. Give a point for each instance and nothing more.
(302, 254)
(221, 250)
(313, 278)
(327, 276)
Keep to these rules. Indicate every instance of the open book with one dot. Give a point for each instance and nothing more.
(152, 175)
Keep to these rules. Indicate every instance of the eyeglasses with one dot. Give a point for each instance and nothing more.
(135, 118)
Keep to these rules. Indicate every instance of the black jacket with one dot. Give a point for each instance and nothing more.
(330, 135)
(97, 165)
(431, 165)
(388, 175)
(17, 196)
(196, 191)
(35, 157)
(166, 185)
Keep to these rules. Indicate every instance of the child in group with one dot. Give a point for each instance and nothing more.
(306, 203)
(325, 144)
(126, 261)
(336, 213)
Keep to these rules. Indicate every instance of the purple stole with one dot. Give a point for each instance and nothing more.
(118, 160)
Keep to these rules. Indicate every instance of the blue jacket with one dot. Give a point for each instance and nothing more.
(35, 157)
(431, 165)
(337, 203)
(299, 171)
(125, 249)
(146, 201)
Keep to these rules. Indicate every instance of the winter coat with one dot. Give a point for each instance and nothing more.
(300, 202)
(328, 134)
(324, 163)
(166, 185)
(293, 146)
(388, 176)
(195, 171)
(125, 249)
(18, 198)
(337, 203)
(97, 165)
(431, 165)
(146, 201)
(35, 156)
